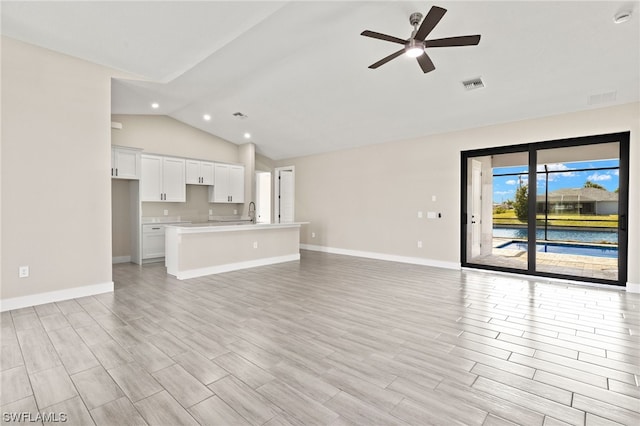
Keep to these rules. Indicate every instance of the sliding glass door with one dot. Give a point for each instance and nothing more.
(555, 208)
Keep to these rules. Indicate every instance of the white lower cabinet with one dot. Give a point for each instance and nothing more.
(152, 241)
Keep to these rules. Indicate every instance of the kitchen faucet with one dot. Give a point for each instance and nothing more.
(252, 213)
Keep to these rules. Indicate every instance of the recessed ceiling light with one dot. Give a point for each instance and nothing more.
(206, 117)
(247, 135)
(621, 17)
(155, 105)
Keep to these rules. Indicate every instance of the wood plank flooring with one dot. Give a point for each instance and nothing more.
(328, 340)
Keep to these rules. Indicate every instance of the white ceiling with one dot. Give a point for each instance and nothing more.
(298, 69)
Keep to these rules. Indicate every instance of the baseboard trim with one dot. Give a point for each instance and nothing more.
(211, 270)
(633, 287)
(54, 296)
(120, 259)
(383, 256)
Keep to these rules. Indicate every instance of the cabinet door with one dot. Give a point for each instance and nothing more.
(193, 172)
(151, 178)
(126, 163)
(236, 184)
(173, 179)
(207, 173)
(221, 184)
(153, 245)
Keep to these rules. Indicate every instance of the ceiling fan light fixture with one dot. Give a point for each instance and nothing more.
(414, 49)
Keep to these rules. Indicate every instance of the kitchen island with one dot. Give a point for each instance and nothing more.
(195, 250)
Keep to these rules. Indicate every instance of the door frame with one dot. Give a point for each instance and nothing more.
(623, 138)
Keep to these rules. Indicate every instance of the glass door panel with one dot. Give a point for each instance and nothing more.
(577, 210)
(497, 210)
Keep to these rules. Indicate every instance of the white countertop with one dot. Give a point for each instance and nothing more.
(195, 228)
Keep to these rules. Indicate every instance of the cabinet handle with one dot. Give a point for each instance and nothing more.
(116, 171)
(112, 171)
(155, 228)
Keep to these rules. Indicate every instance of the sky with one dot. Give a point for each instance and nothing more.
(504, 187)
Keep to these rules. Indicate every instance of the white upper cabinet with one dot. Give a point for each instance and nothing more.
(163, 179)
(199, 172)
(228, 186)
(236, 184)
(125, 163)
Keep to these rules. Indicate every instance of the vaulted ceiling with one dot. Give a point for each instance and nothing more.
(298, 70)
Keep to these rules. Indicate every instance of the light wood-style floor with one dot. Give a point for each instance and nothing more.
(329, 340)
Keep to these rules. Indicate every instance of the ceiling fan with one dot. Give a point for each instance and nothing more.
(415, 45)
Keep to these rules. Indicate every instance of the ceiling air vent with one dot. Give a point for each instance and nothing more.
(475, 83)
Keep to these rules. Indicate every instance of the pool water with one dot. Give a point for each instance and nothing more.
(609, 236)
(560, 248)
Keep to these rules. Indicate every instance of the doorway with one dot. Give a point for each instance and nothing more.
(555, 208)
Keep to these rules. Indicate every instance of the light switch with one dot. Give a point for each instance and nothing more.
(419, 215)
(433, 198)
(166, 212)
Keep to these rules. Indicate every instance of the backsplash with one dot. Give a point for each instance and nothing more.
(196, 209)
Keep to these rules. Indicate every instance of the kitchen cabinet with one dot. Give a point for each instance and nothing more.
(152, 241)
(228, 184)
(199, 172)
(125, 163)
(163, 179)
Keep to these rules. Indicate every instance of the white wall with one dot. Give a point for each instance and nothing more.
(160, 134)
(367, 199)
(56, 185)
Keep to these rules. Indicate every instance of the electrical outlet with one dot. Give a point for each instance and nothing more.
(255, 244)
(23, 272)
(235, 211)
(313, 235)
(433, 198)
(419, 244)
(210, 211)
(166, 212)
(419, 215)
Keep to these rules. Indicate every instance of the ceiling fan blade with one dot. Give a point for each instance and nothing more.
(425, 63)
(430, 21)
(470, 40)
(386, 59)
(384, 37)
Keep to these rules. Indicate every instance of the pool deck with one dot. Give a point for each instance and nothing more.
(556, 263)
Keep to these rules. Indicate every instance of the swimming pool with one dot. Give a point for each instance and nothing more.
(610, 236)
(563, 248)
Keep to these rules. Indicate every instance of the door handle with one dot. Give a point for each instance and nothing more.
(622, 222)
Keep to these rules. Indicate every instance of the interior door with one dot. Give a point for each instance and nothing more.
(286, 196)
